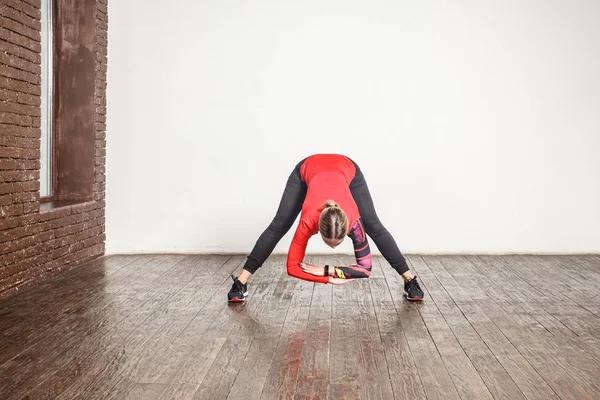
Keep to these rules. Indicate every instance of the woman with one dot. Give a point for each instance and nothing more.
(331, 193)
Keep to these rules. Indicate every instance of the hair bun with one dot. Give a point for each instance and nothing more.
(330, 204)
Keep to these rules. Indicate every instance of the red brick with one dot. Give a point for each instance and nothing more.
(84, 207)
(20, 98)
(23, 243)
(32, 34)
(100, 101)
(16, 198)
(100, 33)
(6, 200)
(19, 86)
(23, 7)
(19, 63)
(21, 109)
(11, 210)
(101, 49)
(9, 223)
(31, 236)
(9, 164)
(18, 176)
(100, 84)
(34, 3)
(8, 95)
(102, 18)
(32, 99)
(99, 196)
(100, 152)
(15, 14)
(20, 52)
(56, 213)
(19, 45)
(101, 58)
(29, 208)
(99, 187)
(19, 232)
(21, 75)
(101, 110)
(102, 7)
(20, 142)
(22, 131)
(16, 152)
(20, 40)
(19, 187)
(9, 188)
(16, 119)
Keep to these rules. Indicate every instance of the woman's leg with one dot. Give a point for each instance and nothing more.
(373, 226)
(287, 212)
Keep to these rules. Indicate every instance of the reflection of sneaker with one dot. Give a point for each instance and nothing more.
(412, 290)
(238, 291)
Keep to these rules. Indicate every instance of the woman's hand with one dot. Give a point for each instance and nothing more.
(313, 269)
(338, 281)
(320, 271)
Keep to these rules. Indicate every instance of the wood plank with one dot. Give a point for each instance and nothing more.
(492, 372)
(434, 375)
(139, 391)
(464, 374)
(269, 319)
(239, 333)
(172, 318)
(160, 327)
(313, 373)
(26, 328)
(403, 372)
(48, 355)
(357, 360)
(533, 342)
(459, 269)
(283, 371)
(91, 365)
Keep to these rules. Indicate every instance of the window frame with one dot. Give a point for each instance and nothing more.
(52, 150)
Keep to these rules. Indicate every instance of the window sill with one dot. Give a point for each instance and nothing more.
(56, 205)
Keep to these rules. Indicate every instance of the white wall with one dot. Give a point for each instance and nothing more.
(477, 124)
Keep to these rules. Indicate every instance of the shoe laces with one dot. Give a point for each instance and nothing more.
(237, 284)
(414, 283)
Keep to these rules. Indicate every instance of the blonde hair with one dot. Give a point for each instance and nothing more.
(333, 222)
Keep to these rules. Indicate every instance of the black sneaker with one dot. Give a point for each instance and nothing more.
(238, 291)
(412, 290)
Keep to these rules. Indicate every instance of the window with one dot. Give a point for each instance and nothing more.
(68, 60)
(46, 145)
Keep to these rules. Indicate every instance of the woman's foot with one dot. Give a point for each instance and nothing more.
(238, 291)
(412, 290)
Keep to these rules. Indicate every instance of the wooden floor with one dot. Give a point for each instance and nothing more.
(159, 327)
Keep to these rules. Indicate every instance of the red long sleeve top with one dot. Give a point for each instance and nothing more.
(328, 177)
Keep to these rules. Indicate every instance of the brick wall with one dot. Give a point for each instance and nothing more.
(37, 241)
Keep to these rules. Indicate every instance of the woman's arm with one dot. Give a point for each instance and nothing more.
(362, 252)
(296, 255)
